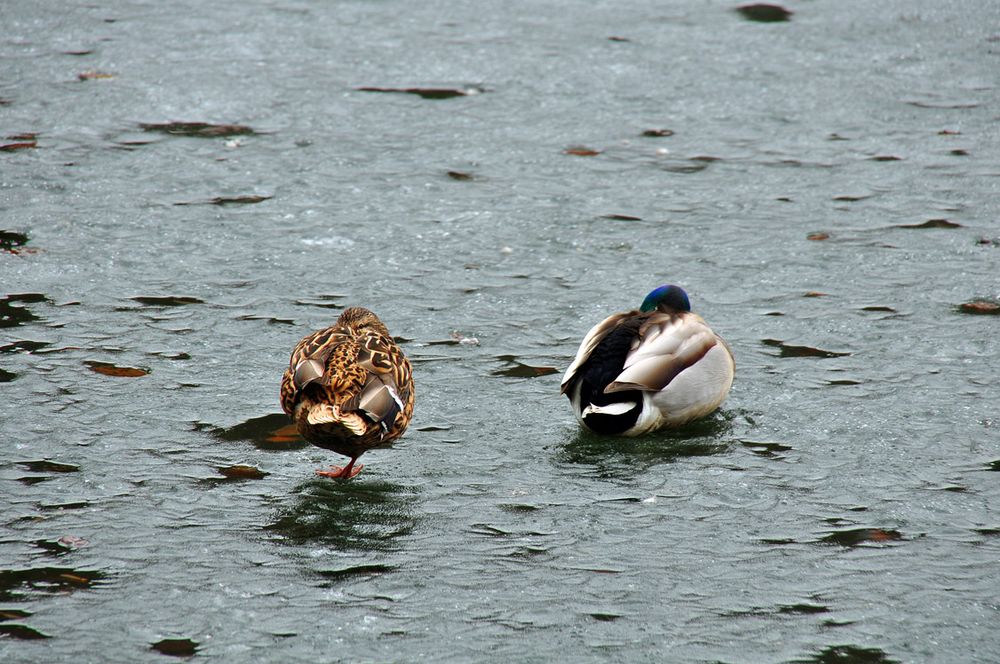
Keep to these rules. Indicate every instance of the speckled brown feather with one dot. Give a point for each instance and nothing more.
(334, 372)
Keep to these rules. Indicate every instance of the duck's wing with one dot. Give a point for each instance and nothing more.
(308, 364)
(589, 343)
(389, 382)
(668, 343)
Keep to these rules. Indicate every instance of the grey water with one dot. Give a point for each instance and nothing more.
(188, 188)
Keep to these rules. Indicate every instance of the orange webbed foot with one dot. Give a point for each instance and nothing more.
(341, 472)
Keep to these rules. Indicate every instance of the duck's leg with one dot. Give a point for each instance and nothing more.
(342, 472)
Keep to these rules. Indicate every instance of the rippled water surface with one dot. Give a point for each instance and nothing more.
(188, 188)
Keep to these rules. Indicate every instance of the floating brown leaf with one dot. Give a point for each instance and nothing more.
(764, 13)
(92, 75)
(242, 472)
(581, 151)
(980, 307)
(658, 133)
(621, 217)
(460, 176)
(108, 369)
(13, 147)
(932, 223)
(198, 129)
(818, 236)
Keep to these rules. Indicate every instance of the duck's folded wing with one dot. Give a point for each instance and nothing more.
(667, 346)
(589, 343)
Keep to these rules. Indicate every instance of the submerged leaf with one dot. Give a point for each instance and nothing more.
(788, 350)
(581, 151)
(859, 536)
(427, 93)
(242, 472)
(108, 369)
(167, 300)
(198, 129)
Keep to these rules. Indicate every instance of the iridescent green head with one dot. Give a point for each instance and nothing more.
(666, 296)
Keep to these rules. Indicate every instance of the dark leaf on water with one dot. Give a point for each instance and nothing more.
(14, 614)
(859, 536)
(356, 570)
(932, 223)
(764, 13)
(22, 632)
(6, 376)
(658, 133)
(109, 369)
(958, 152)
(24, 345)
(765, 449)
(12, 316)
(521, 370)
(427, 93)
(788, 350)
(176, 647)
(11, 240)
(228, 200)
(818, 236)
(167, 300)
(605, 617)
(886, 157)
(16, 585)
(621, 217)
(78, 53)
(803, 609)
(49, 467)
(993, 465)
(460, 176)
(980, 307)
(198, 129)
(846, 654)
(880, 308)
(619, 39)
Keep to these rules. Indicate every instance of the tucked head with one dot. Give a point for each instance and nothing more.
(666, 296)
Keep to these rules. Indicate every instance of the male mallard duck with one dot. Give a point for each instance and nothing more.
(639, 371)
(349, 388)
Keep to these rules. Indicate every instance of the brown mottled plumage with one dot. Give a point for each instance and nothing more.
(349, 388)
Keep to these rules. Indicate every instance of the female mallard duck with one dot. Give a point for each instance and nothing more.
(349, 388)
(659, 366)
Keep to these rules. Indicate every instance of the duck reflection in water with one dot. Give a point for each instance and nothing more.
(367, 516)
(623, 457)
